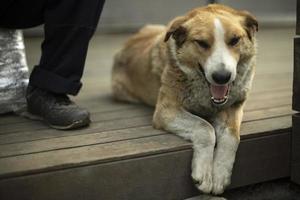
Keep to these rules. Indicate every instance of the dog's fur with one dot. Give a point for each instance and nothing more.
(171, 68)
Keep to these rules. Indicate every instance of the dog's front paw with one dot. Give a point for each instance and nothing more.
(221, 179)
(202, 175)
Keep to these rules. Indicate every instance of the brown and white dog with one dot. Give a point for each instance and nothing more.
(197, 73)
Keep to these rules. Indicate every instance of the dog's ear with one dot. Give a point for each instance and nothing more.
(250, 24)
(177, 31)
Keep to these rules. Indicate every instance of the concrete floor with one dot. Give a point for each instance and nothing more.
(275, 45)
(275, 190)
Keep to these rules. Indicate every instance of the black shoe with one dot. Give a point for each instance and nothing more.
(56, 109)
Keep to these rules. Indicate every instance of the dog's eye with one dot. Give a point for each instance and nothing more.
(203, 44)
(234, 41)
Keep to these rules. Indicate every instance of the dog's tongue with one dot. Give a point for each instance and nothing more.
(219, 91)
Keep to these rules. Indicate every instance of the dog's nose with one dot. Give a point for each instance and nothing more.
(222, 76)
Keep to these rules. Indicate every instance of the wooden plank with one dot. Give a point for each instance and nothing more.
(267, 113)
(264, 127)
(12, 119)
(262, 85)
(26, 136)
(270, 75)
(93, 128)
(274, 102)
(100, 121)
(101, 117)
(87, 155)
(73, 141)
(296, 82)
(142, 121)
(163, 176)
(65, 149)
(101, 108)
(141, 175)
(260, 98)
(262, 159)
(76, 141)
(255, 103)
(103, 102)
(102, 105)
(295, 162)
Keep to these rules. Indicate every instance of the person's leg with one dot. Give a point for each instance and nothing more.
(69, 25)
(19, 14)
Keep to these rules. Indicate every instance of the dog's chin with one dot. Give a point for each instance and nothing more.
(219, 94)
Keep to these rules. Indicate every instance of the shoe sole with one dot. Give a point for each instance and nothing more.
(74, 125)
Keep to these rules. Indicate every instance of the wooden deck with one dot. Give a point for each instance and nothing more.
(120, 156)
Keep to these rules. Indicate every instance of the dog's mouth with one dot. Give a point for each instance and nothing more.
(219, 93)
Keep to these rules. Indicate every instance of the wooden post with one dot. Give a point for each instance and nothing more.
(296, 81)
(295, 162)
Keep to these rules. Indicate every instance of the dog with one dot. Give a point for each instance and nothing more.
(197, 72)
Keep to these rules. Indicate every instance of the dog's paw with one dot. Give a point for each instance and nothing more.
(221, 179)
(202, 176)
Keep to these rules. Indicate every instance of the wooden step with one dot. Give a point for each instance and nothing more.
(120, 156)
(295, 161)
(124, 149)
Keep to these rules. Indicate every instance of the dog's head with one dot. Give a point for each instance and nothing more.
(212, 40)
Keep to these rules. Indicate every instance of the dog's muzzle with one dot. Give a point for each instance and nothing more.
(219, 93)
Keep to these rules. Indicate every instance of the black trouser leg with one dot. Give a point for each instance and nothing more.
(69, 26)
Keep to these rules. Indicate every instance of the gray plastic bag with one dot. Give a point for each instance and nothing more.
(13, 71)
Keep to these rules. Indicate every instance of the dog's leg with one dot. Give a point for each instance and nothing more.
(193, 128)
(227, 127)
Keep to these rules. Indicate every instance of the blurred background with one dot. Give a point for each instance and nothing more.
(121, 15)
(129, 15)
